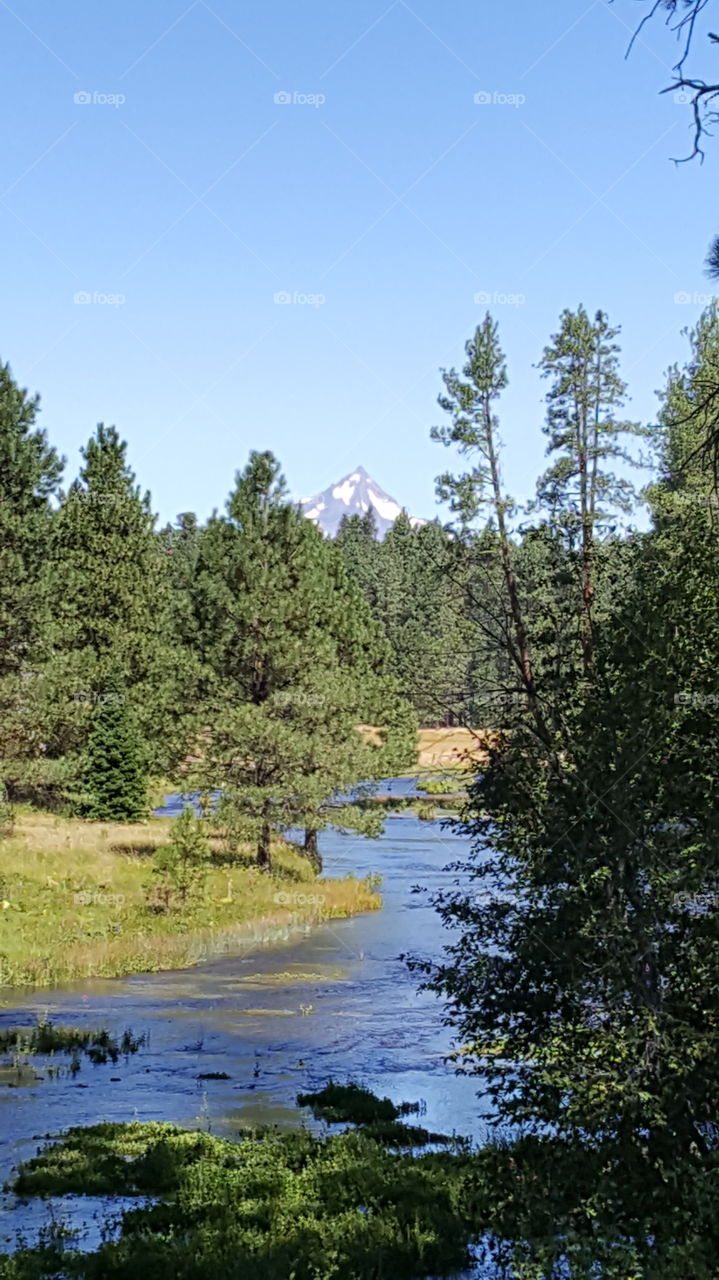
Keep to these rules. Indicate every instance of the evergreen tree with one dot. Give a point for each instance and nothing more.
(358, 542)
(583, 981)
(479, 492)
(180, 544)
(580, 494)
(358, 727)
(114, 776)
(30, 472)
(283, 643)
(180, 867)
(111, 600)
(421, 601)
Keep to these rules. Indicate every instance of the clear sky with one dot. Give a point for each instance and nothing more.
(182, 198)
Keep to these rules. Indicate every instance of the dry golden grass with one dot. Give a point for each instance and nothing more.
(447, 748)
(74, 902)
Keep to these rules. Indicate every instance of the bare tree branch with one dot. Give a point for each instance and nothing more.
(682, 17)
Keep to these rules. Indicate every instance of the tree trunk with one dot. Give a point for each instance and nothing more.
(311, 849)
(523, 656)
(264, 858)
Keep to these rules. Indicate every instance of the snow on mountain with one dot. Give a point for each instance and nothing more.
(355, 494)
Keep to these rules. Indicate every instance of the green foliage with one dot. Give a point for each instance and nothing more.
(582, 977)
(107, 583)
(46, 1038)
(272, 1205)
(579, 492)
(292, 663)
(426, 812)
(582, 362)
(29, 477)
(115, 774)
(446, 786)
(352, 1104)
(417, 583)
(180, 867)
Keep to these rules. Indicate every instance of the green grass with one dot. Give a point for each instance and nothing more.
(272, 1206)
(378, 1118)
(74, 904)
(352, 1206)
(45, 1039)
(352, 1104)
(440, 787)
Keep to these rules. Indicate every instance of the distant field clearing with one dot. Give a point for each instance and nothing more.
(446, 748)
(442, 748)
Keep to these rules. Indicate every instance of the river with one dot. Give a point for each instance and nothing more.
(334, 1001)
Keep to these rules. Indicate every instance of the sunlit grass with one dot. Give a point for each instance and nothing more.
(73, 902)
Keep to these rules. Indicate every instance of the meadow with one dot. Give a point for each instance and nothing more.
(76, 900)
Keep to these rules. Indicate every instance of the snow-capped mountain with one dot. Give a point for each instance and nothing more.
(354, 495)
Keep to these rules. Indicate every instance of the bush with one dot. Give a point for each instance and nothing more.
(180, 868)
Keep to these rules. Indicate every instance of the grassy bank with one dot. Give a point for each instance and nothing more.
(74, 904)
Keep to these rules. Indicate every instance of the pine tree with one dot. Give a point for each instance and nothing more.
(586, 958)
(115, 776)
(358, 542)
(479, 492)
(358, 727)
(30, 472)
(180, 868)
(111, 600)
(580, 494)
(283, 643)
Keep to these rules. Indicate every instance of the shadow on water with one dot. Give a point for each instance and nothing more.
(277, 1020)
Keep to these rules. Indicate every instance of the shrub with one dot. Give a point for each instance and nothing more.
(180, 868)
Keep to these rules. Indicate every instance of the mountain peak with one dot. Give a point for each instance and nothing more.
(354, 495)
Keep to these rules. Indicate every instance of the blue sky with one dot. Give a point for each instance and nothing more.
(182, 198)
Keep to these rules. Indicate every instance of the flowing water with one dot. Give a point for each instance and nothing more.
(332, 1001)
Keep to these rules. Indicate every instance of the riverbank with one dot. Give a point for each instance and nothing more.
(74, 902)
